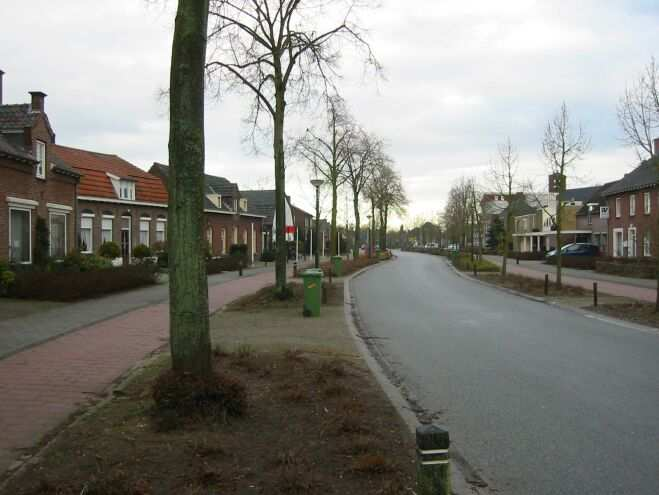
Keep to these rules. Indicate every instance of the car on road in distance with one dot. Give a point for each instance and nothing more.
(576, 249)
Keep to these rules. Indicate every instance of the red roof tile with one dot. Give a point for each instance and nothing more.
(95, 182)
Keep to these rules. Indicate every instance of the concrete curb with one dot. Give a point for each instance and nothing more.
(580, 311)
(464, 478)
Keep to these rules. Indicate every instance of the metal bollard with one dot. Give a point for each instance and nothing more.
(433, 463)
(595, 294)
(546, 284)
(295, 270)
(240, 268)
(518, 260)
(330, 274)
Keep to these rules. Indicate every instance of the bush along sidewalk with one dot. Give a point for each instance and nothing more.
(464, 263)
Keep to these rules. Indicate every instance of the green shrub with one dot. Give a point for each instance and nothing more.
(463, 263)
(238, 250)
(529, 256)
(7, 278)
(109, 250)
(268, 256)
(141, 251)
(224, 264)
(72, 285)
(41, 243)
(78, 262)
(628, 267)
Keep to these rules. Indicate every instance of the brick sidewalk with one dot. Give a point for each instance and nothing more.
(611, 288)
(42, 386)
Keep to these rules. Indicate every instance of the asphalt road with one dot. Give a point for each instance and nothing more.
(538, 399)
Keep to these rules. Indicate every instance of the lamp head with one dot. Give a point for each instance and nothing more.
(316, 182)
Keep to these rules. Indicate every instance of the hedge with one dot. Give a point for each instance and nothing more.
(527, 256)
(224, 264)
(71, 286)
(578, 262)
(627, 268)
(463, 263)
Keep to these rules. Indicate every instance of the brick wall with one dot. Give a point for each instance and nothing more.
(224, 224)
(18, 180)
(644, 223)
(99, 208)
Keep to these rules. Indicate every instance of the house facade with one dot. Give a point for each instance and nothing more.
(633, 211)
(117, 202)
(230, 219)
(33, 183)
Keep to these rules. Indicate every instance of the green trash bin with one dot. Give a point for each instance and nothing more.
(337, 266)
(313, 286)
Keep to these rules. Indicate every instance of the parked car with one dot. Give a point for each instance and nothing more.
(576, 249)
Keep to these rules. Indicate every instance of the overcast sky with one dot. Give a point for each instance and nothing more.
(460, 77)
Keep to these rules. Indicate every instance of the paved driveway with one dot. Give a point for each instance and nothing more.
(540, 400)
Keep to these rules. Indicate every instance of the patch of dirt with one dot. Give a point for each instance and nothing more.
(266, 299)
(635, 312)
(533, 286)
(313, 425)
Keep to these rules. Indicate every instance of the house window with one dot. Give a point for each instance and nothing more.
(618, 207)
(224, 241)
(57, 235)
(86, 226)
(235, 235)
(245, 237)
(127, 190)
(631, 242)
(647, 204)
(632, 205)
(209, 237)
(106, 229)
(20, 226)
(647, 243)
(618, 243)
(590, 215)
(161, 230)
(40, 170)
(144, 231)
(243, 204)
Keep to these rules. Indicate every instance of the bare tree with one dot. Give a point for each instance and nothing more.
(274, 48)
(503, 175)
(364, 155)
(188, 285)
(563, 146)
(387, 194)
(638, 111)
(456, 213)
(328, 154)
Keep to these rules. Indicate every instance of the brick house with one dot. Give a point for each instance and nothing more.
(633, 211)
(229, 217)
(117, 202)
(33, 183)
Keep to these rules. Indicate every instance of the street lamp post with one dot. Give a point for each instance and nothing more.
(368, 232)
(317, 183)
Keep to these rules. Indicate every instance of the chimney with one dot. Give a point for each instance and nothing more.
(656, 141)
(1, 74)
(38, 99)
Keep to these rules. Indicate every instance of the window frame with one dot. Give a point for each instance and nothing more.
(647, 203)
(90, 246)
(107, 218)
(647, 244)
(632, 205)
(29, 253)
(50, 232)
(146, 231)
(161, 222)
(40, 154)
(618, 206)
(129, 185)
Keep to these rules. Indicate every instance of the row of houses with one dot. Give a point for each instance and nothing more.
(621, 217)
(87, 198)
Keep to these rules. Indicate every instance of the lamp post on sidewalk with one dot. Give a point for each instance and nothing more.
(317, 183)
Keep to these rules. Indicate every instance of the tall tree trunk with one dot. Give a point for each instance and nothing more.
(384, 228)
(281, 254)
(333, 234)
(188, 285)
(358, 231)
